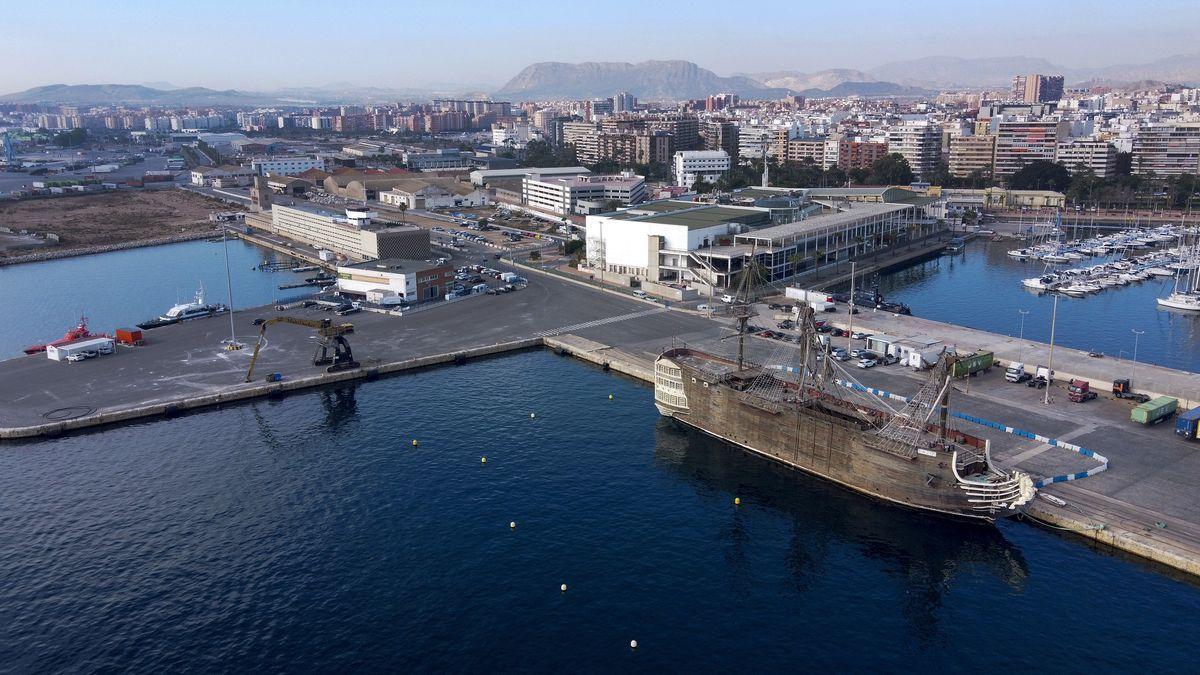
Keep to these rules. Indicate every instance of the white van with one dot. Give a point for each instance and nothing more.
(727, 298)
(640, 294)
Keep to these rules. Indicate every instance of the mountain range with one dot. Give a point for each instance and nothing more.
(648, 80)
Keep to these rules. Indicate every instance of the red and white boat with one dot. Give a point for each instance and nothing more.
(79, 332)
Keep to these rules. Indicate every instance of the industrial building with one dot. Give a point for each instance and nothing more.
(434, 193)
(413, 280)
(481, 177)
(285, 166)
(355, 234)
(582, 194)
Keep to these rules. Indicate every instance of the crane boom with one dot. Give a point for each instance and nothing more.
(327, 332)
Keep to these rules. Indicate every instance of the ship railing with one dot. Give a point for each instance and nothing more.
(1001, 490)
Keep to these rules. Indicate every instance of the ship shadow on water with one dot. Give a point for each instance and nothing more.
(926, 553)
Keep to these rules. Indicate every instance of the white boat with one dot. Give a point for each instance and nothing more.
(1020, 254)
(1160, 272)
(1185, 301)
(183, 311)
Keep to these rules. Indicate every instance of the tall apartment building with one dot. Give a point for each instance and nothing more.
(624, 102)
(806, 149)
(858, 154)
(585, 136)
(475, 108)
(919, 142)
(1167, 149)
(754, 140)
(972, 153)
(1034, 88)
(1077, 154)
(685, 129)
(707, 164)
(1020, 142)
(721, 135)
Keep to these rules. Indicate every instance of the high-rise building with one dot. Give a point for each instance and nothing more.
(806, 150)
(859, 154)
(1020, 142)
(972, 153)
(919, 142)
(1035, 88)
(721, 135)
(1167, 149)
(585, 136)
(624, 102)
(1081, 154)
(684, 128)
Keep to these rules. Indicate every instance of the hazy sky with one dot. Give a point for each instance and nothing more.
(250, 44)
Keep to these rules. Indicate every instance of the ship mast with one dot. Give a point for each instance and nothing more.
(742, 309)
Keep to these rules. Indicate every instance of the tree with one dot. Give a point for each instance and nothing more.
(542, 154)
(859, 175)
(403, 206)
(535, 255)
(1041, 175)
(1085, 185)
(1124, 164)
(71, 139)
(891, 169)
(1181, 189)
(941, 175)
(701, 186)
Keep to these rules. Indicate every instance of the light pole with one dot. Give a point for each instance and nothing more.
(233, 344)
(1137, 334)
(1021, 339)
(1050, 363)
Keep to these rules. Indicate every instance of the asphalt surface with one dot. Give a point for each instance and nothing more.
(1151, 468)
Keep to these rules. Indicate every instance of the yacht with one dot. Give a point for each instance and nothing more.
(195, 309)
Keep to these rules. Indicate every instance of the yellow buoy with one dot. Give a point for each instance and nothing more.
(610, 397)
(737, 501)
(512, 525)
(563, 588)
(483, 460)
(531, 415)
(414, 442)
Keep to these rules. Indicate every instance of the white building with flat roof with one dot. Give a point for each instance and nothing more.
(707, 164)
(285, 166)
(581, 194)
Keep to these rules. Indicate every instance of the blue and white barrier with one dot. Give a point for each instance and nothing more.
(1054, 442)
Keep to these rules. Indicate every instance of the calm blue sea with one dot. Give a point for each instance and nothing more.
(41, 301)
(308, 534)
(981, 288)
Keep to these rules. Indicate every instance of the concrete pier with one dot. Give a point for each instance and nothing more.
(1144, 504)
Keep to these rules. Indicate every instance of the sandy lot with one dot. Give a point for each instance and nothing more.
(111, 217)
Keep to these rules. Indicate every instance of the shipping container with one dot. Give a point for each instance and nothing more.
(1154, 411)
(1188, 424)
(973, 363)
(129, 336)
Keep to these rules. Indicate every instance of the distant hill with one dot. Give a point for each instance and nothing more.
(652, 80)
(83, 94)
(944, 72)
(941, 72)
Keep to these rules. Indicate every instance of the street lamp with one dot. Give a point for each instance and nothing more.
(1021, 339)
(1137, 334)
(1050, 363)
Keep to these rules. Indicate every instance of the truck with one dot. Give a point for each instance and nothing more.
(1123, 389)
(1188, 424)
(1153, 412)
(1015, 372)
(979, 362)
(806, 296)
(1078, 391)
(1042, 377)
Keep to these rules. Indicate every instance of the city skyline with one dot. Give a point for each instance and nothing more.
(454, 46)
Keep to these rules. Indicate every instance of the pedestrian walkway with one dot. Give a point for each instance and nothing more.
(599, 322)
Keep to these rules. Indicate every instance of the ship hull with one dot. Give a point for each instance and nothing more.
(825, 441)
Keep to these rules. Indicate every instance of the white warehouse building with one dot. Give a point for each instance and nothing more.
(692, 164)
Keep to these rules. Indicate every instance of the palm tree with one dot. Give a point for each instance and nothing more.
(403, 206)
(818, 255)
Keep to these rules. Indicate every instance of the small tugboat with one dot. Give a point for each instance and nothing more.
(195, 309)
(79, 332)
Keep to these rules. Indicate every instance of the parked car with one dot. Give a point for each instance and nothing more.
(77, 357)
(640, 294)
(888, 360)
(859, 335)
(859, 353)
(702, 308)
(867, 363)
